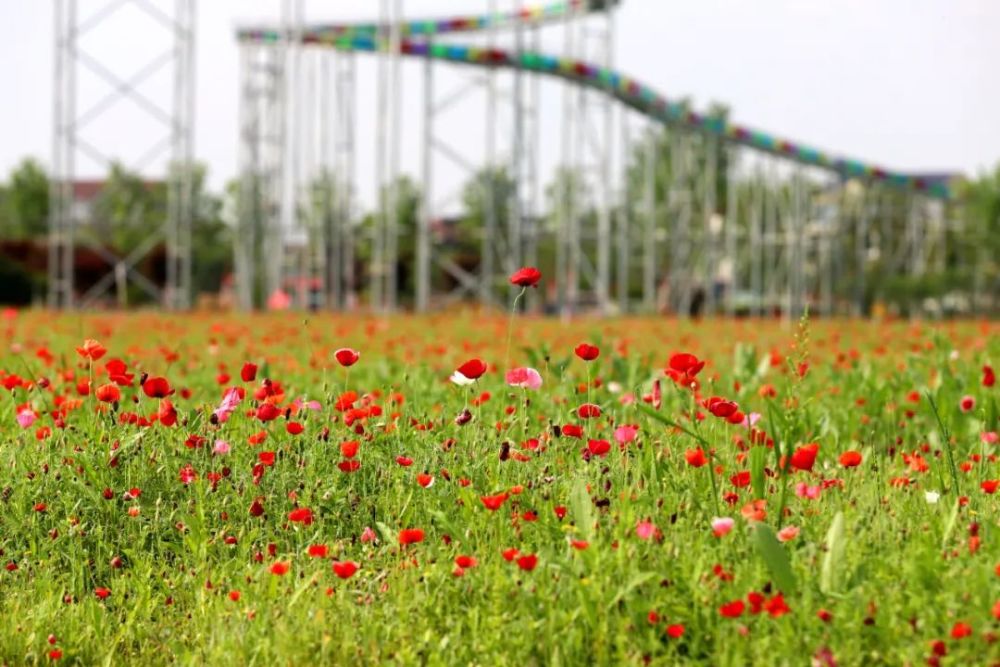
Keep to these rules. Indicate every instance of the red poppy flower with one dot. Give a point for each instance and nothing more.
(526, 277)
(350, 465)
(961, 630)
(509, 554)
(850, 459)
(804, 457)
(347, 357)
(349, 449)
(527, 562)
(493, 503)
(157, 388)
(776, 606)
(572, 431)
(166, 413)
(404, 461)
(102, 593)
(741, 479)
(721, 407)
(675, 631)
(682, 368)
(588, 411)
(268, 412)
(695, 457)
(249, 372)
(301, 515)
(118, 373)
(256, 507)
(294, 428)
(318, 550)
(345, 569)
(599, 447)
(280, 568)
(587, 352)
(579, 545)
(267, 458)
(411, 536)
(108, 393)
(425, 480)
(465, 562)
(989, 377)
(990, 486)
(473, 368)
(91, 349)
(732, 609)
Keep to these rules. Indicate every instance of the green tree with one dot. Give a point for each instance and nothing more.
(27, 200)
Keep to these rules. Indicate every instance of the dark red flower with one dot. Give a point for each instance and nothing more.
(599, 447)
(587, 352)
(989, 377)
(526, 277)
(682, 369)
(347, 357)
(527, 562)
(473, 368)
(157, 388)
(249, 372)
(268, 412)
(588, 411)
(732, 609)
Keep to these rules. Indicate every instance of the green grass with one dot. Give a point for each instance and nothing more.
(895, 571)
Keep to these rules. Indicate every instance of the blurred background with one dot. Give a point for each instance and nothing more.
(686, 158)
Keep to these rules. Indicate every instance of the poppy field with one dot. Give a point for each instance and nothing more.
(497, 489)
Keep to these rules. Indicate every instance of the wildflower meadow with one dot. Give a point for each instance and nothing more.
(497, 489)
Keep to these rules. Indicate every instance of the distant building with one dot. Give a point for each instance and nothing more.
(86, 194)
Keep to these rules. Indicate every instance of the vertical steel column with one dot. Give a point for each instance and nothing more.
(709, 220)
(179, 205)
(61, 224)
(623, 218)
(488, 250)
(757, 203)
(344, 137)
(652, 138)
(395, 139)
(426, 208)
(733, 229)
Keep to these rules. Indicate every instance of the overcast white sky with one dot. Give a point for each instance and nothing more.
(909, 84)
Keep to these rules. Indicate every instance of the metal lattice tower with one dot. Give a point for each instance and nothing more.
(170, 125)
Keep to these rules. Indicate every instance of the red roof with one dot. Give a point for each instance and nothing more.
(87, 190)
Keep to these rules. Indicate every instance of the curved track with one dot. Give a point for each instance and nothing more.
(363, 37)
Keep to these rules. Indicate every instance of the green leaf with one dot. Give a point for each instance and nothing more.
(758, 457)
(775, 557)
(834, 555)
(637, 581)
(387, 533)
(582, 514)
(950, 524)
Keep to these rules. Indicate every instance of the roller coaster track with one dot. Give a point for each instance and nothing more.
(418, 41)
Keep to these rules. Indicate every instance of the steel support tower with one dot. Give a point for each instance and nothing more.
(170, 126)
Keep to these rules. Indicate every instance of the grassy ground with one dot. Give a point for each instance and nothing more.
(127, 540)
